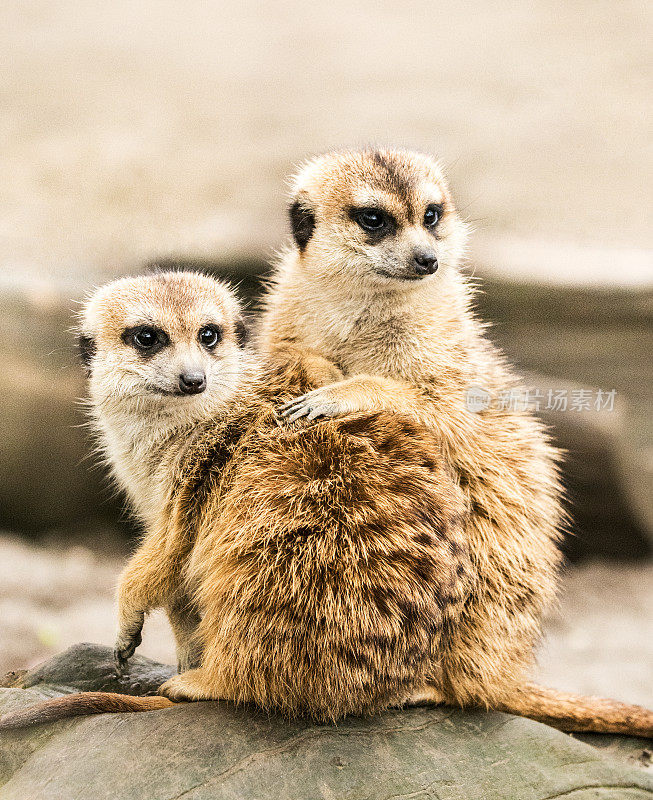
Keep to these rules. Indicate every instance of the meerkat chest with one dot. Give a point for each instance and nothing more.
(369, 344)
(135, 469)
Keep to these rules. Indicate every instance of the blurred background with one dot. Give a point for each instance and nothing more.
(163, 132)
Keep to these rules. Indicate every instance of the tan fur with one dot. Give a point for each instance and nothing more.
(327, 562)
(342, 297)
(383, 557)
(330, 568)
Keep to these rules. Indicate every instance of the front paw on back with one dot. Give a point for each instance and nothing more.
(315, 404)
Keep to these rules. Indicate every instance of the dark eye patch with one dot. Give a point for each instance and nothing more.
(147, 340)
(376, 222)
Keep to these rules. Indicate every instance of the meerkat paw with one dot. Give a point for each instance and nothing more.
(123, 651)
(129, 638)
(188, 686)
(322, 402)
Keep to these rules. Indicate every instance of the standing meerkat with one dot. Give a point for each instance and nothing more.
(370, 299)
(314, 570)
(163, 352)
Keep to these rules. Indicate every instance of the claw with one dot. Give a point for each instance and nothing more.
(313, 405)
(121, 655)
(302, 411)
(119, 663)
(295, 401)
(288, 409)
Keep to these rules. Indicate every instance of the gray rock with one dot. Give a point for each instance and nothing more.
(211, 751)
(90, 667)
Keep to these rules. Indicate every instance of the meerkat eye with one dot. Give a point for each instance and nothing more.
(209, 336)
(146, 339)
(373, 220)
(432, 216)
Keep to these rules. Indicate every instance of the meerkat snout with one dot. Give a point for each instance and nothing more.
(426, 262)
(192, 382)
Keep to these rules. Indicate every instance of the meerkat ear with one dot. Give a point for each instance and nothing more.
(86, 348)
(242, 332)
(302, 222)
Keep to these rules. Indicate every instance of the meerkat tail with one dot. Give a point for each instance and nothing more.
(577, 714)
(79, 705)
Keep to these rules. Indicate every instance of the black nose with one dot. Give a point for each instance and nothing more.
(425, 262)
(192, 382)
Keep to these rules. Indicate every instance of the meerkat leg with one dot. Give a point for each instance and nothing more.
(148, 580)
(184, 621)
(304, 366)
(319, 371)
(129, 637)
(362, 393)
(132, 607)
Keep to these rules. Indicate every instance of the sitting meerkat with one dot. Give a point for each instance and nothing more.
(372, 291)
(315, 570)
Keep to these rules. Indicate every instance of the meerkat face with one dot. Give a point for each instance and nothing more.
(167, 341)
(382, 217)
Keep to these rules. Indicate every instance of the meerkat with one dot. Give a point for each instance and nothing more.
(327, 567)
(311, 570)
(133, 324)
(371, 290)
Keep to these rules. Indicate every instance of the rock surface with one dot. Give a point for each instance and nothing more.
(213, 750)
(598, 640)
